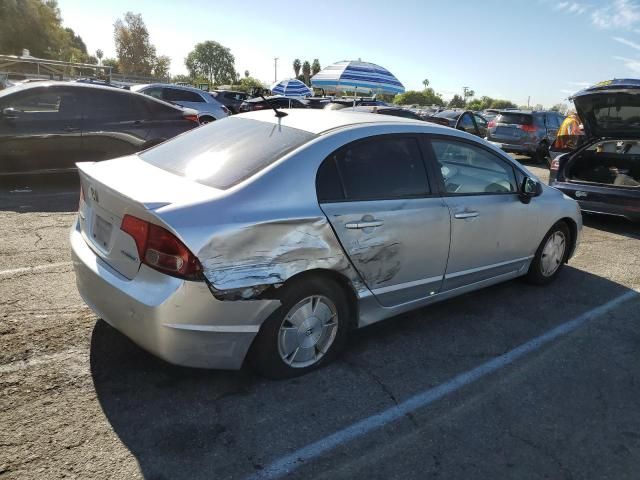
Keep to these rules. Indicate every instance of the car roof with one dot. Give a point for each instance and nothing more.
(51, 83)
(628, 85)
(320, 121)
(170, 85)
(274, 97)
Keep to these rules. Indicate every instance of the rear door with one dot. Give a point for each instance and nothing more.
(492, 231)
(40, 130)
(377, 195)
(114, 123)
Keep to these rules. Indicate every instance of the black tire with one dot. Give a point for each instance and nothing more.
(206, 119)
(265, 356)
(536, 274)
(541, 153)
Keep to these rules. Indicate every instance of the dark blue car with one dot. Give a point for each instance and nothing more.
(603, 173)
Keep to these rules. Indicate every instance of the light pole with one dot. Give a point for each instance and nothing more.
(275, 69)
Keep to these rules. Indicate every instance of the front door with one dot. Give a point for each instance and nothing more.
(492, 231)
(379, 201)
(40, 130)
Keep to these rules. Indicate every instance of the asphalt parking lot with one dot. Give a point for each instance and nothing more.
(79, 400)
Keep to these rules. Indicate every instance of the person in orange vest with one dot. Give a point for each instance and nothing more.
(571, 133)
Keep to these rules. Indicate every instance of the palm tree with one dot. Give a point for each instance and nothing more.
(306, 71)
(246, 74)
(425, 82)
(315, 66)
(296, 67)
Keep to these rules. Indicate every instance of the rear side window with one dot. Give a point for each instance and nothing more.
(115, 105)
(226, 152)
(377, 168)
(177, 95)
(515, 118)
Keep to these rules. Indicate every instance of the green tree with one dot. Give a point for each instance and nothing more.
(413, 97)
(136, 54)
(306, 72)
(456, 102)
(425, 82)
(162, 66)
(296, 67)
(315, 66)
(246, 74)
(180, 78)
(502, 104)
(111, 62)
(248, 84)
(99, 55)
(560, 108)
(213, 61)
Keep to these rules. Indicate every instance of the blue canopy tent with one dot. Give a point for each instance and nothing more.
(357, 76)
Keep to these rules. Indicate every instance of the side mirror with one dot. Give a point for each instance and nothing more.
(530, 188)
(10, 113)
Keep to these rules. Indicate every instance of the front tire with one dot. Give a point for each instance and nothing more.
(550, 256)
(307, 331)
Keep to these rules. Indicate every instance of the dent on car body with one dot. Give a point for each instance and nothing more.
(243, 263)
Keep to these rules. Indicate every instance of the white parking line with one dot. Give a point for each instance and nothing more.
(287, 464)
(14, 271)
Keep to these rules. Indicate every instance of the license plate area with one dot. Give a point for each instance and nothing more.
(101, 232)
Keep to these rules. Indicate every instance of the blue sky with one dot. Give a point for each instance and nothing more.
(505, 49)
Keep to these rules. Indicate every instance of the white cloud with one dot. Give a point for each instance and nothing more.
(628, 43)
(632, 64)
(572, 7)
(619, 14)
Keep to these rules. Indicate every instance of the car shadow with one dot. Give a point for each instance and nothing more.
(40, 193)
(189, 423)
(608, 223)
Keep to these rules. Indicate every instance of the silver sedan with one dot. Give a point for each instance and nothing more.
(269, 237)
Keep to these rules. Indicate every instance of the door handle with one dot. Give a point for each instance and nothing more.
(358, 225)
(466, 214)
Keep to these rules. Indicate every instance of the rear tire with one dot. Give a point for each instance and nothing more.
(550, 256)
(542, 153)
(206, 119)
(307, 331)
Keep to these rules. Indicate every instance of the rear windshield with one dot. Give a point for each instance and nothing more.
(223, 153)
(617, 112)
(515, 118)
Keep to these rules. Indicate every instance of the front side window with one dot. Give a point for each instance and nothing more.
(377, 168)
(42, 103)
(480, 121)
(467, 169)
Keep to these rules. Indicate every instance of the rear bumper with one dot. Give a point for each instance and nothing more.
(602, 200)
(176, 320)
(526, 148)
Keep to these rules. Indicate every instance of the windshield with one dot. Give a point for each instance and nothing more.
(448, 114)
(226, 152)
(619, 113)
(515, 118)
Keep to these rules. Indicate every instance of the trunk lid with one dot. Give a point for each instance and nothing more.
(131, 186)
(610, 109)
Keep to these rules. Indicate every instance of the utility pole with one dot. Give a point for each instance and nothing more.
(528, 101)
(464, 93)
(275, 69)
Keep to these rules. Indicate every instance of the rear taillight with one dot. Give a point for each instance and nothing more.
(258, 106)
(162, 250)
(491, 124)
(192, 118)
(555, 165)
(528, 128)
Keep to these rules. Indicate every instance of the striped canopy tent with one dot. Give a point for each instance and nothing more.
(291, 88)
(357, 76)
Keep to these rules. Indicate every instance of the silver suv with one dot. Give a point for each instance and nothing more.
(208, 108)
(525, 132)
